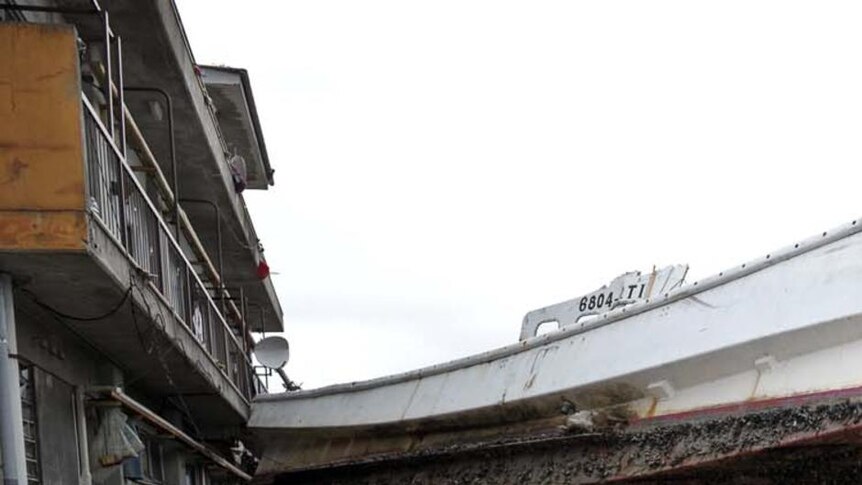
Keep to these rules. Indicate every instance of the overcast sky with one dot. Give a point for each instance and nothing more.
(443, 167)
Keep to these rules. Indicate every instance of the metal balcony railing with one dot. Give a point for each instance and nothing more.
(119, 201)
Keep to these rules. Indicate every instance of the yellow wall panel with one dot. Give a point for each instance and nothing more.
(42, 230)
(41, 138)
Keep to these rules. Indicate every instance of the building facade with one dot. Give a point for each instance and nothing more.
(131, 277)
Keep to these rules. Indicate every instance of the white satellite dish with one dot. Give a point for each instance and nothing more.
(272, 352)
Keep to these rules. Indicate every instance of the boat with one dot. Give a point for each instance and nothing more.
(781, 332)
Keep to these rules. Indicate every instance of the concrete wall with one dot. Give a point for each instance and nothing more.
(42, 182)
(61, 361)
(56, 415)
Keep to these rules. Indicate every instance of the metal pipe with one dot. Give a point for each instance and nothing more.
(245, 327)
(262, 312)
(242, 324)
(122, 101)
(109, 99)
(289, 385)
(96, 10)
(125, 230)
(83, 447)
(35, 8)
(221, 289)
(217, 212)
(163, 424)
(11, 419)
(173, 147)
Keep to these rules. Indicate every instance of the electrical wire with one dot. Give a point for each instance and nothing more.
(147, 340)
(160, 357)
(58, 313)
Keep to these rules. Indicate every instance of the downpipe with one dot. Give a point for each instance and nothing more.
(173, 147)
(85, 478)
(11, 419)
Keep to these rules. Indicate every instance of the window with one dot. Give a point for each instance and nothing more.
(151, 460)
(31, 425)
(146, 468)
(192, 475)
(196, 474)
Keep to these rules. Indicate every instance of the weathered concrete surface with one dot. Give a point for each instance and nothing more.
(143, 337)
(231, 93)
(801, 443)
(156, 53)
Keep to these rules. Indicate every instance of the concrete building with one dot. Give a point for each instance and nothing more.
(131, 277)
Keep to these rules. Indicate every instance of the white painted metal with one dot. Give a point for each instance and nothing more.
(84, 477)
(14, 463)
(272, 352)
(785, 324)
(625, 289)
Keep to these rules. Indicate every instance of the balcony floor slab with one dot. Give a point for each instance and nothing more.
(139, 333)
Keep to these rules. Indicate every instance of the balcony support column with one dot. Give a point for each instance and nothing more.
(86, 478)
(11, 419)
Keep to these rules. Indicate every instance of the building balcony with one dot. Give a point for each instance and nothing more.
(88, 243)
(216, 119)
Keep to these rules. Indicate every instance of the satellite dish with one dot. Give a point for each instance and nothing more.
(272, 352)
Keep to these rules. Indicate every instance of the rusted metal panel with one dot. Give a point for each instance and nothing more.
(41, 140)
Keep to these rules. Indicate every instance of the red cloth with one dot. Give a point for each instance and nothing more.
(262, 270)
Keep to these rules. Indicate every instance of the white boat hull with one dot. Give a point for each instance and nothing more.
(784, 325)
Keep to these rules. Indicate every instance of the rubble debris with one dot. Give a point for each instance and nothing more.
(815, 443)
